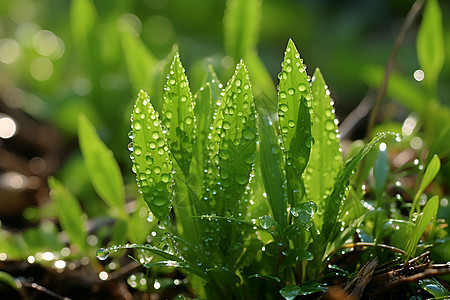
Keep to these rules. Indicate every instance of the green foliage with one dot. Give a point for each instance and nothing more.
(195, 165)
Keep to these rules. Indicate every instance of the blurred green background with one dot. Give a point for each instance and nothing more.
(62, 58)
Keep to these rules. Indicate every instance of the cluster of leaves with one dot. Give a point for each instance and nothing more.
(202, 162)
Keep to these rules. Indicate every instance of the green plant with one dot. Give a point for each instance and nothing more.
(206, 164)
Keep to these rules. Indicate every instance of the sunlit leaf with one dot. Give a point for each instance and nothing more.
(325, 160)
(234, 132)
(178, 115)
(69, 213)
(83, 15)
(294, 102)
(430, 42)
(103, 169)
(151, 157)
(140, 61)
(272, 170)
(241, 26)
(429, 212)
(431, 171)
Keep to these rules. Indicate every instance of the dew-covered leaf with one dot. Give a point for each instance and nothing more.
(289, 292)
(272, 170)
(435, 288)
(178, 115)
(429, 212)
(293, 256)
(235, 131)
(151, 157)
(69, 213)
(432, 170)
(430, 42)
(336, 199)
(325, 161)
(103, 169)
(294, 101)
(177, 264)
(241, 26)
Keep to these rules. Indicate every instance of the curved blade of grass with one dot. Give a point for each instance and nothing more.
(429, 212)
(325, 160)
(178, 115)
(69, 213)
(432, 169)
(237, 146)
(103, 169)
(151, 158)
(241, 26)
(335, 201)
(430, 43)
(272, 170)
(177, 264)
(294, 97)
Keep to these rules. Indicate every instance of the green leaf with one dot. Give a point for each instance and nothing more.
(69, 213)
(151, 158)
(325, 160)
(241, 26)
(380, 173)
(338, 196)
(430, 43)
(178, 115)
(9, 280)
(294, 99)
(293, 256)
(289, 292)
(435, 288)
(104, 172)
(432, 170)
(272, 170)
(83, 15)
(140, 223)
(429, 212)
(262, 83)
(236, 129)
(139, 60)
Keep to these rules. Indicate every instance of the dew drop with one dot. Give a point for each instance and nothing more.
(302, 87)
(288, 68)
(172, 81)
(284, 129)
(188, 120)
(283, 95)
(169, 114)
(248, 134)
(265, 222)
(291, 91)
(137, 124)
(226, 125)
(152, 145)
(159, 201)
(157, 170)
(329, 125)
(155, 135)
(238, 82)
(165, 177)
(102, 254)
(284, 107)
(183, 98)
(291, 123)
(137, 150)
(309, 142)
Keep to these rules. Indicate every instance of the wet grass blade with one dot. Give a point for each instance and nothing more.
(151, 157)
(272, 170)
(69, 213)
(178, 115)
(236, 127)
(325, 160)
(336, 199)
(429, 212)
(294, 101)
(103, 169)
(432, 170)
